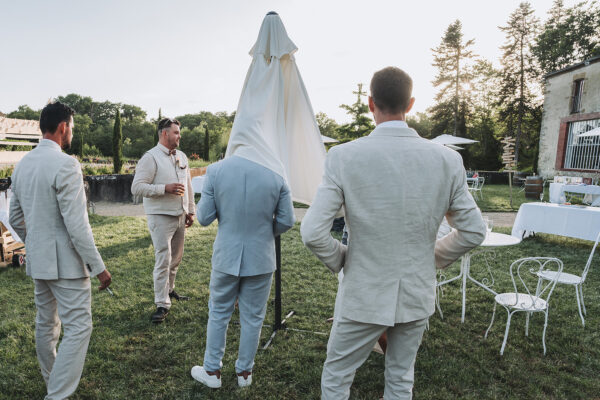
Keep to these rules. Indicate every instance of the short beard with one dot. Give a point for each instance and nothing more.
(65, 145)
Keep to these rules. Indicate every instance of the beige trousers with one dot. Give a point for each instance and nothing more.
(351, 342)
(67, 301)
(168, 235)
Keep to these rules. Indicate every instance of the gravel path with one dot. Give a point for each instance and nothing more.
(113, 209)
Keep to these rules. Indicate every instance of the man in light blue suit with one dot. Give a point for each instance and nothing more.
(253, 204)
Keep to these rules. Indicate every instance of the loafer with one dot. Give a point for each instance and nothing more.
(178, 297)
(159, 315)
(244, 379)
(212, 381)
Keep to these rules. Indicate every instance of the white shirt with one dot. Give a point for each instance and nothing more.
(392, 124)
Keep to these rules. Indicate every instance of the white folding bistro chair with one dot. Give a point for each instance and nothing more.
(572, 279)
(525, 301)
(475, 186)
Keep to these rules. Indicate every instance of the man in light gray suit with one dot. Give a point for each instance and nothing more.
(396, 188)
(253, 205)
(48, 211)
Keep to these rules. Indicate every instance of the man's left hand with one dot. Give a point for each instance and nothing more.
(189, 220)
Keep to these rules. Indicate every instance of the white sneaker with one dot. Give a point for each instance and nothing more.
(243, 382)
(199, 374)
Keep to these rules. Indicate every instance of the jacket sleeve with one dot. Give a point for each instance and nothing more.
(145, 171)
(463, 215)
(207, 208)
(70, 195)
(17, 218)
(316, 224)
(284, 214)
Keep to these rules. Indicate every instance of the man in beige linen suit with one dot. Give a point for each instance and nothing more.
(396, 188)
(162, 177)
(48, 211)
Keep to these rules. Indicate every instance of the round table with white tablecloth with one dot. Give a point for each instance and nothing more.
(492, 239)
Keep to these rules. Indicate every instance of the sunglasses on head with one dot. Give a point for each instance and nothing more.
(167, 122)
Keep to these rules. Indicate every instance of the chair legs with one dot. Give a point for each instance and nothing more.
(582, 303)
(510, 314)
(506, 333)
(544, 334)
(491, 322)
(437, 301)
(578, 293)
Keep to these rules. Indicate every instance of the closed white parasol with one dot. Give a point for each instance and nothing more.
(275, 125)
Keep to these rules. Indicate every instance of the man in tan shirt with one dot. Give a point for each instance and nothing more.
(162, 177)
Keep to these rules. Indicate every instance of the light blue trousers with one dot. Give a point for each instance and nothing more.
(253, 293)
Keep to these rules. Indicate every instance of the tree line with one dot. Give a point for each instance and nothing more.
(204, 135)
(474, 99)
(479, 101)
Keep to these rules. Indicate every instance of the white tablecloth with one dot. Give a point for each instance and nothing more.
(197, 183)
(578, 222)
(557, 189)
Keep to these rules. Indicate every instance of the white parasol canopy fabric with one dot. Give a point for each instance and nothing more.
(327, 139)
(593, 132)
(275, 125)
(454, 140)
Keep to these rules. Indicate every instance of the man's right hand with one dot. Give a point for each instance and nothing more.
(105, 279)
(175, 188)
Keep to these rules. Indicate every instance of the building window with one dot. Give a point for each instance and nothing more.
(583, 152)
(576, 96)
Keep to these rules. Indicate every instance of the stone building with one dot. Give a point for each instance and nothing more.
(571, 107)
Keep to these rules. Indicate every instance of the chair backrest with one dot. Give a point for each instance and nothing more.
(534, 266)
(589, 261)
(481, 181)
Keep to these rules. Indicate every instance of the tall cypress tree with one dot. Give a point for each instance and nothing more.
(518, 73)
(117, 144)
(452, 58)
(155, 141)
(206, 145)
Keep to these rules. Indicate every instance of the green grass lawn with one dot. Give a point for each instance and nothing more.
(496, 198)
(129, 358)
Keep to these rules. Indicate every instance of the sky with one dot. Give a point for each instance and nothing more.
(186, 56)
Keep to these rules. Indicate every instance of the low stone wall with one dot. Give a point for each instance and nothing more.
(118, 187)
(110, 187)
(197, 171)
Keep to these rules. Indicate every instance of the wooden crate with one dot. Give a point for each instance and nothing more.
(8, 246)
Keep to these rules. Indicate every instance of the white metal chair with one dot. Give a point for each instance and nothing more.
(525, 301)
(571, 279)
(476, 187)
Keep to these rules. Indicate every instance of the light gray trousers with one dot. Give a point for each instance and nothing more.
(253, 293)
(67, 301)
(168, 236)
(351, 342)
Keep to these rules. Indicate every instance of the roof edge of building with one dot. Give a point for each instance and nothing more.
(584, 63)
